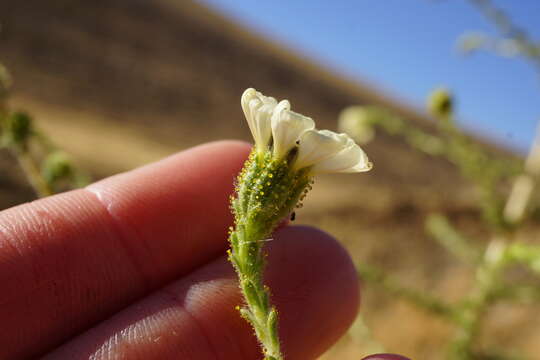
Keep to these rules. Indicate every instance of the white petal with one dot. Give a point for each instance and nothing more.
(318, 145)
(287, 126)
(258, 110)
(351, 159)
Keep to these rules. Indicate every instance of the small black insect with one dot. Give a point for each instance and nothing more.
(293, 216)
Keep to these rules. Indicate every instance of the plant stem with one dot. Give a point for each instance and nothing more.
(509, 29)
(474, 306)
(496, 257)
(248, 260)
(442, 230)
(418, 298)
(524, 185)
(267, 190)
(31, 170)
(524, 294)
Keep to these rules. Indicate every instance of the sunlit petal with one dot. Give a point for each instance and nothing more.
(318, 145)
(258, 110)
(349, 160)
(287, 126)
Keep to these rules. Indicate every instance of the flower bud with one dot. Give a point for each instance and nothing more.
(471, 41)
(17, 129)
(357, 121)
(440, 103)
(56, 167)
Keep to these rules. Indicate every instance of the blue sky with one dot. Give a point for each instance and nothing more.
(407, 48)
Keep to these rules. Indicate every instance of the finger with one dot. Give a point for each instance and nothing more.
(70, 260)
(315, 289)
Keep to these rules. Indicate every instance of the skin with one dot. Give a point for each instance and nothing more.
(133, 267)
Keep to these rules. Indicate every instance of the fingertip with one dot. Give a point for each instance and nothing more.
(87, 253)
(314, 288)
(184, 196)
(323, 283)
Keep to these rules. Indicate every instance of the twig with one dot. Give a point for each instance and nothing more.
(527, 294)
(474, 306)
(495, 259)
(421, 299)
(32, 172)
(441, 230)
(509, 29)
(524, 185)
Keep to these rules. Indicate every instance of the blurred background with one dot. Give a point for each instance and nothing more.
(118, 84)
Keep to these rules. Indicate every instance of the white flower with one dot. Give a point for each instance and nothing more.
(328, 152)
(258, 110)
(322, 151)
(287, 127)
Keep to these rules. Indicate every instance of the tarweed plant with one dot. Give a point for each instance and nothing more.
(48, 169)
(508, 199)
(287, 154)
(505, 192)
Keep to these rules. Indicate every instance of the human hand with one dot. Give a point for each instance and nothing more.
(133, 267)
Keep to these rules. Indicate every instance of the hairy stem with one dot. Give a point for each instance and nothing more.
(33, 174)
(266, 191)
(248, 260)
(474, 306)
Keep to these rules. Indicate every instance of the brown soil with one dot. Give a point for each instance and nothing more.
(122, 83)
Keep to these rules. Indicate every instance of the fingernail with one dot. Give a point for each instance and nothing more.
(385, 357)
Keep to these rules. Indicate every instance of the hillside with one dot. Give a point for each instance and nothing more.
(107, 61)
(122, 83)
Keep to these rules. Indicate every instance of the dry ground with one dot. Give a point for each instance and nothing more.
(119, 84)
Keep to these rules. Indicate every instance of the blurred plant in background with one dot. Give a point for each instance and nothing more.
(48, 169)
(507, 198)
(514, 41)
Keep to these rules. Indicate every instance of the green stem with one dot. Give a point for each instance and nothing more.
(31, 170)
(248, 260)
(509, 29)
(267, 190)
(523, 294)
(444, 233)
(474, 307)
(418, 298)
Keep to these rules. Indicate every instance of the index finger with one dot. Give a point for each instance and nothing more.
(73, 259)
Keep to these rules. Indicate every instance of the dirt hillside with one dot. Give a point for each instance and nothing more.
(122, 83)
